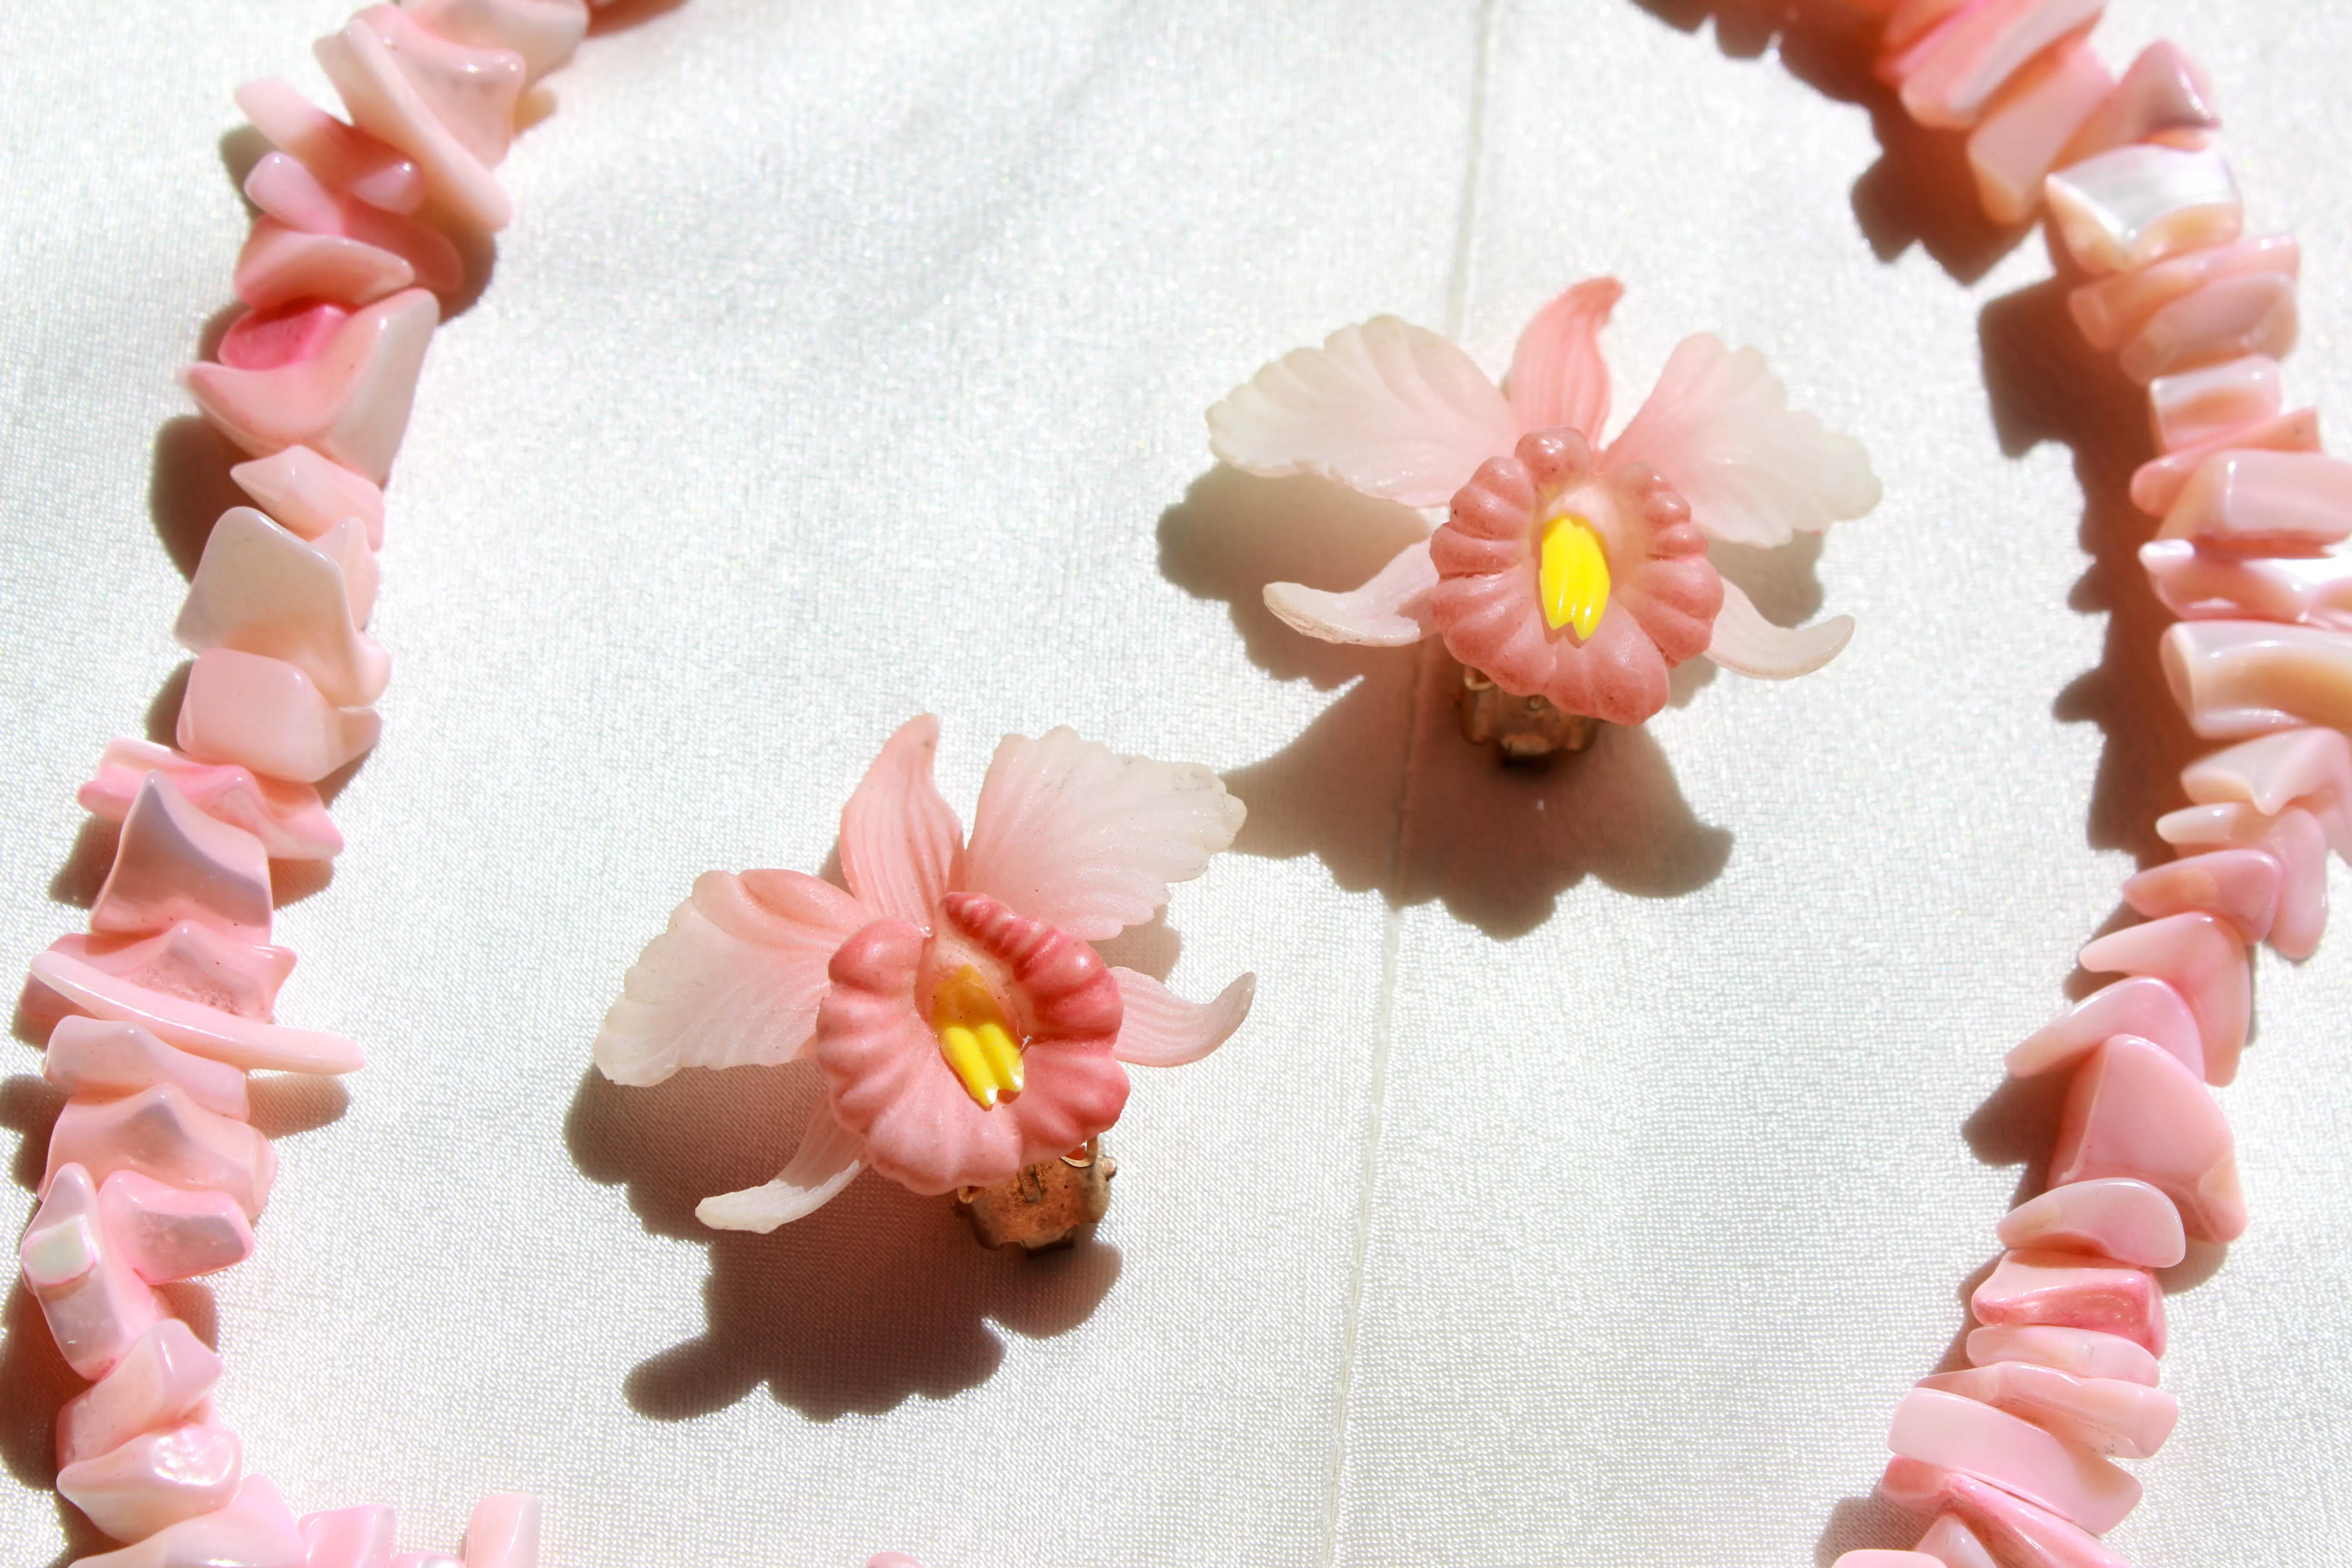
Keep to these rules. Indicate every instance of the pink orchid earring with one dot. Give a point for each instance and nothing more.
(1566, 573)
(968, 1038)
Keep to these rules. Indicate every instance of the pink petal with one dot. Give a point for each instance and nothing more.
(1073, 834)
(1745, 642)
(1390, 611)
(827, 1160)
(736, 978)
(1386, 409)
(1160, 1029)
(899, 838)
(1719, 428)
(1558, 377)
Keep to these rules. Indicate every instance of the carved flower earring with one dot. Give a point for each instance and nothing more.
(1568, 573)
(968, 1038)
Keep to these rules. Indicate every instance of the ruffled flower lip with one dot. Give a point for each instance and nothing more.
(1661, 594)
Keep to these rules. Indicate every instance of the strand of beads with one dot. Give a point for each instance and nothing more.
(161, 1011)
(2013, 1457)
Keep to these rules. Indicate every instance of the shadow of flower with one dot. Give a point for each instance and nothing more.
(875, 1297)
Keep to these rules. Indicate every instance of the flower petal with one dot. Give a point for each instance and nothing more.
(1390, 611)
(1386, 409)
(827, 1161)
(1073, 834)
(735, 980)
(1745, 642)
(1719, 428)
(1558, 377)
(1160, 1029)
(899, 838)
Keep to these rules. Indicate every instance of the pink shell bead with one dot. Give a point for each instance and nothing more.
(2264, 503)
(253, 1531)
(268, 715)
(2080, 1353)
(544, 33)
(2199, 586)
(2241, 886)
(281, 334)
(2294, 838)
(2112, 311)
(1954, 1545)
(1876, 1557)
(2135, 1111)
(2201, 957)
(2234, 679)
(163, 1380)
(2073, 1290)
(1948, 77)
(503, 1532)
(2165, 96)
(2143, 1006)
(2158, 485)
(210, 1032)
(448, 106)
(1956, 1433)
(96, 1307)
(2021, 139)
(290, 819)
(2195, 407)
(166, 1233)
(161, 1133)
(311, 494)
(261, 589)
(289, 194)
(156, 1480)
(347, 1537)
(346, 159)
(2308, 768)
(2021, 1534)
(2253, 313)
(348, 397)
(190, 958)
(2117, 1218)
(2134, 205)
(174, 863)
(279, 265)
(2107, 1416)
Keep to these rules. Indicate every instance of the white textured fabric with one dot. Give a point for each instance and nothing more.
(1608, 1148)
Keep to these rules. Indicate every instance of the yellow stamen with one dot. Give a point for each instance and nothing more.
(974, 1038)
(1574, 576)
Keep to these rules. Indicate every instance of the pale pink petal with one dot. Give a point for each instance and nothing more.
(1160, 1029)
(1558, 377)
(1390, 611)
(1386, 409)
(1745, 642)
(899, 838)
(827, 1160)
(1073, 834)
(1719, 428)
(736, 978)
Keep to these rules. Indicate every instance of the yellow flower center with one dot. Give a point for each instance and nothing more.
(974, 1038)
(1573, 578)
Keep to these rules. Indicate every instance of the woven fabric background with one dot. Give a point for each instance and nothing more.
(1609, 1149)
